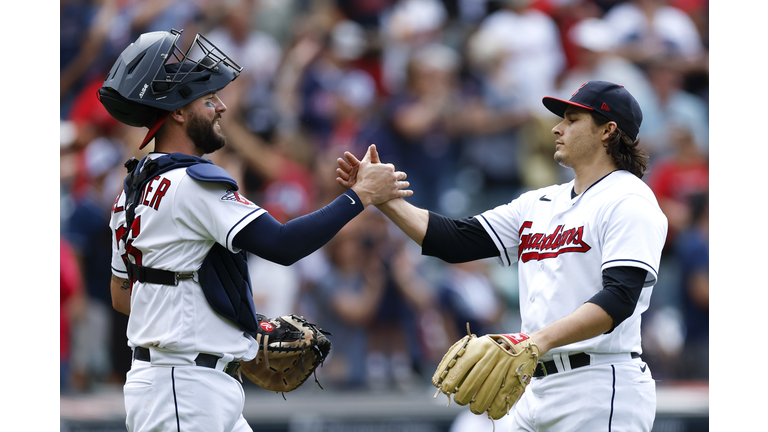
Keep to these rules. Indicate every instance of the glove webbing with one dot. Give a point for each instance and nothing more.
(458, 354)
(264, 341)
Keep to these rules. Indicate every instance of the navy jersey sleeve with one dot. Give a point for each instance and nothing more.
(287, 243)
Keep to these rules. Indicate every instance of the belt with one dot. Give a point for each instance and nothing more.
(156, 276)
(577, 360)
(202, 359)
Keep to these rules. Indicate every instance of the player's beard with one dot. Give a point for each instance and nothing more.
(562, 160)
(203, 134)
(576, 151)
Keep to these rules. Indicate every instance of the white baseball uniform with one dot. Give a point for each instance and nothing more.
(561, 245)
(176, 223)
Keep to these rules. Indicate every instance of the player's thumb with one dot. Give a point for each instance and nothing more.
(374, 154)
(367, 157)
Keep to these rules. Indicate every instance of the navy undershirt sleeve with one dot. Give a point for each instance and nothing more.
(621, 290)
(457, 240)
(287, 243)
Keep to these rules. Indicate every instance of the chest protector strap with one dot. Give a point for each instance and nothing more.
(223, 275)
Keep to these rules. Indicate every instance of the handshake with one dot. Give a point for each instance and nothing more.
(374, 182)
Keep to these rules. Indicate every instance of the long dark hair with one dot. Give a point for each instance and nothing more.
(624, 152)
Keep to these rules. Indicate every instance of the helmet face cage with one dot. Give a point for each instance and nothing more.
(154, 75)
(166, 79)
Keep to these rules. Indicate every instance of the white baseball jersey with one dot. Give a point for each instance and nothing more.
(177, 221)
(562, 245)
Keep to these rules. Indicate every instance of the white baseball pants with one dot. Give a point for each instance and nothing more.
(185, 398)
(609, 397)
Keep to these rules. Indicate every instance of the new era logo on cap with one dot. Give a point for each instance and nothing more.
(612, 100)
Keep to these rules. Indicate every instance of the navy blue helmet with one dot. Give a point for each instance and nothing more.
(154, 75)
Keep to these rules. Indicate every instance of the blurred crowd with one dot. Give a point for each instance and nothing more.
(450, 92)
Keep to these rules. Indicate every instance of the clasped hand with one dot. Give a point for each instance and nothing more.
(374, 182)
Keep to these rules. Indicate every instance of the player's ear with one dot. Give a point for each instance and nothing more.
(179, 115)
(608, 129)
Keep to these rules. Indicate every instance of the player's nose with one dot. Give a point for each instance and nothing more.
(220, 107)
(556, 130)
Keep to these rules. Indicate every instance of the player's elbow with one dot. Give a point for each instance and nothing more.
(121, 295)
(284, 259)
(121, 306)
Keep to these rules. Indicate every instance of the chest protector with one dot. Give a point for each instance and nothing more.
(223, 275)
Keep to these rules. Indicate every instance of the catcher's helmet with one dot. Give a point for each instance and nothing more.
(153, 76)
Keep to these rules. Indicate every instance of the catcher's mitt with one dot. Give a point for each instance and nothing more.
(484, 374)
(292, 350)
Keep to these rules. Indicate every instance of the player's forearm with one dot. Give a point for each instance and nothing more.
(586, 322)
(287, 243)
(121, 294)
(412, 220)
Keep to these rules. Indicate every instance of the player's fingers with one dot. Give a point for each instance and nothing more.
(506, 347)
(353, 161)
(374, 154)
(343, 174)
(403, 193)
(401, 175)
(342, 182)
(403, 184)
(344, 165)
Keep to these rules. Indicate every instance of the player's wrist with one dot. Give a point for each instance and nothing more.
(365, 196)
(541, 341)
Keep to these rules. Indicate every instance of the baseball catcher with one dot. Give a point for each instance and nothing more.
(292, 350)
(181, 232)
(489, 373)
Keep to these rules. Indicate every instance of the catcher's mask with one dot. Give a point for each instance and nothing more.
(153, 76)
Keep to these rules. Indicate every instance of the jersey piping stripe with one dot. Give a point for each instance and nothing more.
(655, 273)
(601, 179)
(120, 271)
(238, 223)
(175, 403)
(647, 283)
(503, 247)
(613, 397)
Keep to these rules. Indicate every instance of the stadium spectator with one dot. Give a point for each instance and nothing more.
(348, 295)
(84, 26)
(677, 178)
(72, 304)
(406, 26)
(692, 251)
(532, 43)
(596, 59)
(648, 29)
(469, 297)
(671, 106)
(422, 122)
(87, 230)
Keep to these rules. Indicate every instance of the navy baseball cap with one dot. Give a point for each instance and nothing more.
(610, 100)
